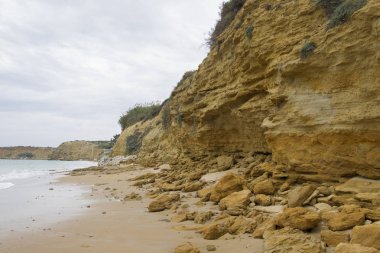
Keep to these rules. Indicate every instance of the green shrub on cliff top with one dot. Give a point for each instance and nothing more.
(339, 11)
(138, 113)
(228, 12)
(344, 11)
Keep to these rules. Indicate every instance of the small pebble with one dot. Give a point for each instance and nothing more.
(211, 248)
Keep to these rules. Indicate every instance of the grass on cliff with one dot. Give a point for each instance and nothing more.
(185, 76)
(339, 11)
(307, 50)
(228, 12)
(139, 112)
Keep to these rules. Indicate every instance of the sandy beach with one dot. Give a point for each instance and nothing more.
(112, 224)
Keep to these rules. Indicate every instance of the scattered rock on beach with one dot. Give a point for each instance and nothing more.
(347, 218)
(298, 218)
(367, 235)
(354, 248)
(264, 187)
(236, 202)
(333, 238)
(299, 195)
(290, 240)
(228, 184)
(186, 248)
(211, 248)
(163, 202)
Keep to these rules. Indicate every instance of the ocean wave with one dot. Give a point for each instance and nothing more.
(21, 174)
(5, 185)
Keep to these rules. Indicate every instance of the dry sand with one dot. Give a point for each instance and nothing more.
(112, 225)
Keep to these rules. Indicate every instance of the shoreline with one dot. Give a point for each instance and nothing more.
(111, 224)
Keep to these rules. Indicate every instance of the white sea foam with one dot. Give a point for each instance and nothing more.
(5, 185)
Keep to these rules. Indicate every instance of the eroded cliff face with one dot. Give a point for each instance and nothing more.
(254, 93)
(76, 150)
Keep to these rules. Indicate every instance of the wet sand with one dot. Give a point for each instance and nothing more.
(113, 225)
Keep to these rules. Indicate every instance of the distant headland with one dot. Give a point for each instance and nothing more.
(68, 151)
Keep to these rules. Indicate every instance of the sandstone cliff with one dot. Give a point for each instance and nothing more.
(77, 150)
(256, 93)
(34, 153)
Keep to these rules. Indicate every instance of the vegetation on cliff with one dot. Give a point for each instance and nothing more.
(339, 11)
(138, 113)
(228, 12)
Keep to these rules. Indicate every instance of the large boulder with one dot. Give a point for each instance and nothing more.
(299, 195)
(298, 218)
(289, 240)
(354, 248)
(349, 217)
(236, 202)
(367, 235)
(217, 228)
(163, 202)
(214, 231)
(228, 184)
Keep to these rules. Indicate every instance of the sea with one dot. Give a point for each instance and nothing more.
(31, 198)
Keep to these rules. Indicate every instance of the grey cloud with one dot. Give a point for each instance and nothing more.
(69, 68)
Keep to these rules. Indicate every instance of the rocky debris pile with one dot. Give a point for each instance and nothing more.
(304, 212)
(114, 161)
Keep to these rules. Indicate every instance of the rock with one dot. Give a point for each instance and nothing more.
(163, 202)
(164, 167)
(289, 240)
(186, 248)
(359, 185)
(203, 217)
(354, 248)
(113, 161)
(299, 195)
(264, 187)
(298, 218)
(180, 217)
(132, 196)
(204, 194)
(263, 200)
(324, 190)
(242, 225)
(323, 207)
(228, 184)
(349, 217)
(192, 187)
(268, 224)
(214, 231)
(211, 248)
(373, 215)
(367, 235)
(224, 162)
(236, 202)
(269, 209)
(331, 238)
(368, 197)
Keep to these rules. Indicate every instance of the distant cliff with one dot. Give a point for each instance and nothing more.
(68, 151)
(77, 150)
(32, 153)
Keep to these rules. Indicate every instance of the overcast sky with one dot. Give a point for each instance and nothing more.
(70, 68)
